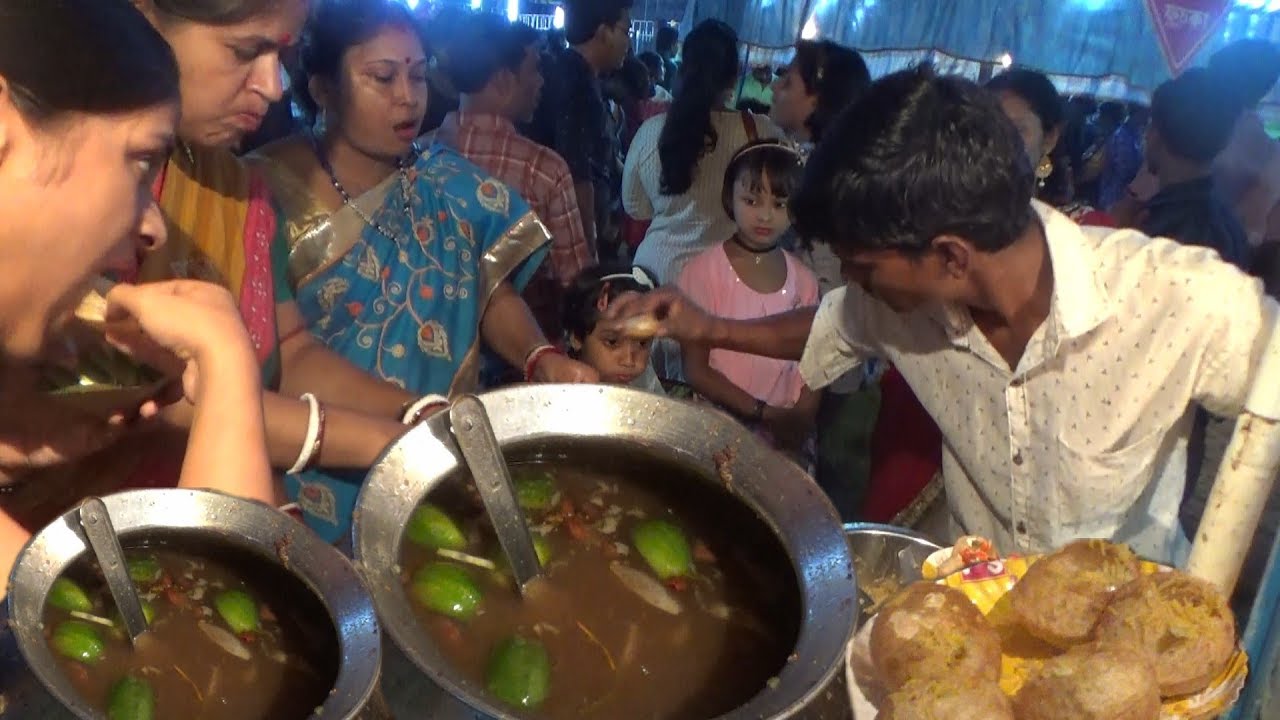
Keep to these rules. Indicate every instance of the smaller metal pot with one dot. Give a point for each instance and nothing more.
(886, 558)
(209, 520)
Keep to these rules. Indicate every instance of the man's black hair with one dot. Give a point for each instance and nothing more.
(582, 18)
(1194, 115)
(918, 156)
(483, 45)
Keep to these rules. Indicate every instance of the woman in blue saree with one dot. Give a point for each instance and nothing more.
(407, 263)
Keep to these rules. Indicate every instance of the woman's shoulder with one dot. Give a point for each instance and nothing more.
(444, 168)
(651, 128)
(765, 127)
(706, 263)
(288, 156)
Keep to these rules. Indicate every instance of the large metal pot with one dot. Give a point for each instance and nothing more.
(211, 522)
(542, 420)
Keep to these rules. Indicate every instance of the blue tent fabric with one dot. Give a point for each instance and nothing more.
(1102, 44)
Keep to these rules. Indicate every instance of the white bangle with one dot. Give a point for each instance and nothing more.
(414, 411)
(313, 431)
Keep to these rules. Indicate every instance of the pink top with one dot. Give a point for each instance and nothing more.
(710, 280)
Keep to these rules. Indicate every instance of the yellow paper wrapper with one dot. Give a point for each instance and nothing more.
(988, 584)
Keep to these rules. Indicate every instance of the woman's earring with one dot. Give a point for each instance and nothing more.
(1044, 170)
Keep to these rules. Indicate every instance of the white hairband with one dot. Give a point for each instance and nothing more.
(637, 274)
(772, 144)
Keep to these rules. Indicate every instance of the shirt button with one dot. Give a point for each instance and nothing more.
(1016, 382)
(1022, 528)
(1017, 458)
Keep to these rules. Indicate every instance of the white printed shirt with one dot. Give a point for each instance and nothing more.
(1087, 437)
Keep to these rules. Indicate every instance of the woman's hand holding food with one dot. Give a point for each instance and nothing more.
(198, 326)
(183, 325)
(556, 368)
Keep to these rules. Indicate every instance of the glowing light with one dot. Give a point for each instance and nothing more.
(513, 10)
(810, 30)
(557, 18)
(413, 4)
(475, 4)
(1006, 60)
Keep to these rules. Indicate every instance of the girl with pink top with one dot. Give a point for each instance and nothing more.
(750, 276)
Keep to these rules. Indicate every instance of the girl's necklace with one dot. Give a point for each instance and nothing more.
(401, 168)
(758, 254)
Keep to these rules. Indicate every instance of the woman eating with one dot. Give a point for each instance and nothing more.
(407, 264)
(223, 228)
(87, 153)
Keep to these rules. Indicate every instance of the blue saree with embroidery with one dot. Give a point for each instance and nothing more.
(402, 297)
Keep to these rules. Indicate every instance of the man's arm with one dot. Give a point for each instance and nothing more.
(570, 251)
(781, 336)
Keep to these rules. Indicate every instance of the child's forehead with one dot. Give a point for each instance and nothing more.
(754, 180)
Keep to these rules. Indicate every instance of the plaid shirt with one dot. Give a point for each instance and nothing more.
(537, 173)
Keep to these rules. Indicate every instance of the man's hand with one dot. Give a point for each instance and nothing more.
(664, 312)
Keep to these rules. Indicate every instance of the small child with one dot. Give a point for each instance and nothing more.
(750, 276)
(619, 360)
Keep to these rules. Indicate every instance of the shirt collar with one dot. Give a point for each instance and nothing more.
(492, 122)
(1080, 302)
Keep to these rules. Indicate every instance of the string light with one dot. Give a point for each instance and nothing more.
(810, 30)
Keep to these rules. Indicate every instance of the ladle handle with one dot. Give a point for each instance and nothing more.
(106, 546)
(479, 446)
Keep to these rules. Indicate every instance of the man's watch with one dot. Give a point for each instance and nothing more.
(757, 413)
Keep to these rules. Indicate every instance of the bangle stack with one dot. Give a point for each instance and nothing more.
(310, 452)
(535, 356)
(413, 412)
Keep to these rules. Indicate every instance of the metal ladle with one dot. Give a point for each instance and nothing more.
(479, 446)
(106, 547)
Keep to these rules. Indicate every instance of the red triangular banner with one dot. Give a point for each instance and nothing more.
(1183, 26)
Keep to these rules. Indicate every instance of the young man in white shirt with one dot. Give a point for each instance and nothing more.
(1061, 363)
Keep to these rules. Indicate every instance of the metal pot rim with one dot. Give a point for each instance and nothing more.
(781, 494)
(214, 519)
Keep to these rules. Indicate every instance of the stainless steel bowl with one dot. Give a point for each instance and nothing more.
(887, 559)
(625, 423)
(208, 520)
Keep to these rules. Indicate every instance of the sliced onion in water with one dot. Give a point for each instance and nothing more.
(647, 587)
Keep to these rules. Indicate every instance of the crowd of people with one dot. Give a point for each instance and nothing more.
(461, 203)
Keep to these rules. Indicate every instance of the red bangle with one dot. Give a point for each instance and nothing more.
(535, 356)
